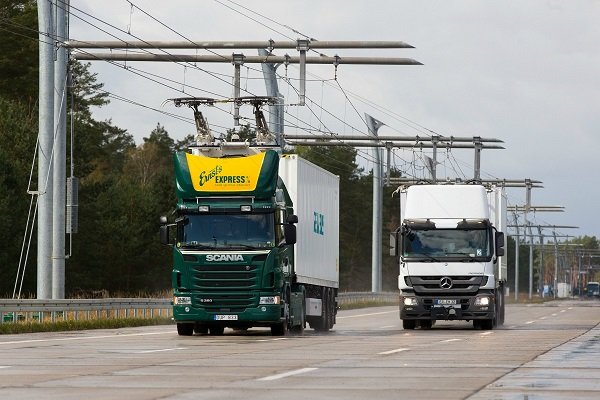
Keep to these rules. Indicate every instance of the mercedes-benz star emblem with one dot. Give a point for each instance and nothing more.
(446, 283)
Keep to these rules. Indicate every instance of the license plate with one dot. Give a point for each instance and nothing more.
(445, 302)
(227, 317)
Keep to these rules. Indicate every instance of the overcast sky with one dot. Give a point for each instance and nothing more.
(525, 72)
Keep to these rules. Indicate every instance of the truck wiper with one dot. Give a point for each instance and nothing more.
(427, 256)
(471, 258)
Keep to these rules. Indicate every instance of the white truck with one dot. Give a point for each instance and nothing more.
(450, 246)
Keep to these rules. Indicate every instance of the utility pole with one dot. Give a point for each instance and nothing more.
(517, 259)
(60, 159)
(45, 150)
(373, 125)
(276, 114)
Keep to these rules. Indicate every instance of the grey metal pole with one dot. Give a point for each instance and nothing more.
(434, 142)
(224, 58)
(373, 125)
(276, 113)
(256, 44)
(555, 284)
(541, 278)
(302, 48)
(477, 168)
(46, 124)
(530, 263)
(517, 261)
(238, 60)
(60, 159)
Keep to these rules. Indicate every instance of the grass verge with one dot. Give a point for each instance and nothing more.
(58, 326)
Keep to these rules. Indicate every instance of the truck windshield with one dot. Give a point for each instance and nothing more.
(447, 243)
(227, 231)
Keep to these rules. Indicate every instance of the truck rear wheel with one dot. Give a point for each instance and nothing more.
(325, 321)
(185, 329)
(299, 329)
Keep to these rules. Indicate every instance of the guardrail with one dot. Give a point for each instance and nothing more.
(75, 309)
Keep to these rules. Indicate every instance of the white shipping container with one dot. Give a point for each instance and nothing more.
(316, 197)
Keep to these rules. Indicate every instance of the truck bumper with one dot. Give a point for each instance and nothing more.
(263, 315)
(427, 308)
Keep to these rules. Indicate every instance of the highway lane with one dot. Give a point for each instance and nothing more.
(543, 351)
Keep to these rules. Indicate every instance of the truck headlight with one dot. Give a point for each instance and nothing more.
(482, 301)
(411, 301)
(269, 300)
(179, 300)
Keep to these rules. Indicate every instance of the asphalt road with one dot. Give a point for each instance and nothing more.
(549, 351)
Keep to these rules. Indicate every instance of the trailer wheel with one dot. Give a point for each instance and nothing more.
(185, 329)
(408, 324)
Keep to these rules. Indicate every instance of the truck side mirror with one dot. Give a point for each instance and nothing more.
(289, 231)
(394, 244)
(499, 244)
(292, 219)
(164, 234)
(164, 231)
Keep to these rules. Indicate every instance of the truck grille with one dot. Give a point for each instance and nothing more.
(225, 288)
(225, 277)
(427, 285)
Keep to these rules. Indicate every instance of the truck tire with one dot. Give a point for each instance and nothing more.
(409, 324)
(200, 328)
(485, 324)
(216, 330)
(323, 323)
(185, 329)
(426, 324)
(299, 329)
(281, 328)
(500, 303)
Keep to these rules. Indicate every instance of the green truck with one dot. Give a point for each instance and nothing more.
(255, 241)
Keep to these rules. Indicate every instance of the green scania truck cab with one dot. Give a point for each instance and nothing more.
(242, 256)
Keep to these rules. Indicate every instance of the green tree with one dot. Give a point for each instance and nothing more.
(19, 51)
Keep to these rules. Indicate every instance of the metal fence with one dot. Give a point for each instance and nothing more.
(113, 308)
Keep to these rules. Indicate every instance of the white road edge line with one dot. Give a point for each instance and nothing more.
(160, 350)
(387, 326)
(286, 374)
(4, 366)
(486, 333)
(272, 340)
(450, 340)
(383, 353)
(84, 338)
(529, 322)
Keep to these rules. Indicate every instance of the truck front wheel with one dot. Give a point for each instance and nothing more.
(408, 324)
(185, 329)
